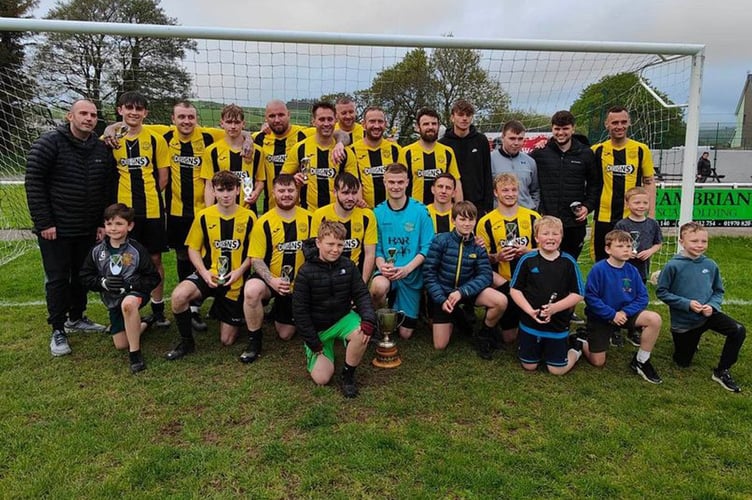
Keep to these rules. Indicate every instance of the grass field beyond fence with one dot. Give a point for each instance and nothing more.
(443, 425)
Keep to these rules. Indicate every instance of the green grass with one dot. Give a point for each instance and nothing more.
(443, 425)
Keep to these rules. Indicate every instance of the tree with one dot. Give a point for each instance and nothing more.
(100, 67)
(652, 124)
(401, 90)
(498, 117)
(15, 88)
(459, 75)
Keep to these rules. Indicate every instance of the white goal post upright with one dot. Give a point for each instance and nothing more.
(249, 67)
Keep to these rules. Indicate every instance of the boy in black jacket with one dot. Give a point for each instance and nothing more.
(122, 271)
(325, 287)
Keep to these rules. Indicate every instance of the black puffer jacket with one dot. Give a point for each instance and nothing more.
(68, 182)
(474, 160)
(565, 177)
(324, 293)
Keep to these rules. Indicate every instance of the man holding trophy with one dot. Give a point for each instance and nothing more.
(276, 254)
(405, 231)
(507, 232)
(217, 245)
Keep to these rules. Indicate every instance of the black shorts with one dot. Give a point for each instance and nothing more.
(533, 349)
(440, 316)
(599, 332)
(282, 308)
(177, 230)
(511, 317)
(224, 309)
(151, 234)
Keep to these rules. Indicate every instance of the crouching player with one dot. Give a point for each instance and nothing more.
(217, 245)
(325, 288)
(457, 271)
(616, 298)
(122, 271)
(546, 285)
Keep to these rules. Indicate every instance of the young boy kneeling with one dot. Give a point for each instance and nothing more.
(457, 271)
(546, 285)
(616, 297)
(326, 286)
(122, 271)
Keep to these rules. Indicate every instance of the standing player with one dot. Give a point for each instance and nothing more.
(311, 160)
(184, 195)
(227, 154)
(372, 154)
(68, 173)
(220, 234)
(509, 157)
(272, 147)
(441, 209)
(569, 181)
(276, 254)
(359, 223)
(143, 166)
(426, 159)
(622, 163)
(473, 155)
(507, 233)
(346, 114)
(405, 232)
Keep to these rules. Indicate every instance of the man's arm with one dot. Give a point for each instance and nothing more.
(369, 260)
(38, 164)
(650, 187)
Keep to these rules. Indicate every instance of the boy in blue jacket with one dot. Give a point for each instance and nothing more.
(457, 271)
(616, 297)
(690, 284)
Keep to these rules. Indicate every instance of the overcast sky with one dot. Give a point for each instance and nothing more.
(724, 26)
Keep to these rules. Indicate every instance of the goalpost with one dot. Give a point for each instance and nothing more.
(250, 67)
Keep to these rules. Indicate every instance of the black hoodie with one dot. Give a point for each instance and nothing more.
(473, 154)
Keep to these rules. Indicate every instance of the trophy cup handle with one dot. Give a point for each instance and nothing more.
(401, 316)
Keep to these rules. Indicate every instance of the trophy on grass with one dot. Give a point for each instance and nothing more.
(305, 166)
(635, 241)
(223, 269)
(388, 321)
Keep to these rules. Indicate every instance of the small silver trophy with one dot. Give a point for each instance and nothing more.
(635, 241)
(287, 273)
(575, 207)
(551, 300)
(223, 269)
(512, 230)
(121, 131)
(116, 267)
(391, 255)
(305, 166)
(247, 186)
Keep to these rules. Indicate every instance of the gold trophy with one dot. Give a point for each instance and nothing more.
(223, 269)
(388, 320)
(305, 165)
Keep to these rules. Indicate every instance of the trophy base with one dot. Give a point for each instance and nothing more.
(387, 356)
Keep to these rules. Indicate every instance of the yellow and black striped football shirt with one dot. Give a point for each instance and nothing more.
(360, 226)
(185, 191)
(278, 241)
(221, 156)
(213, 234)
(442, 221)
(270, 154)
(622, 169)
(496, 230)
(424, 166)
(371, 163)
(318, 191)
(138, 161)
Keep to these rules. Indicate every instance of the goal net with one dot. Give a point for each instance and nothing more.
(503, 79)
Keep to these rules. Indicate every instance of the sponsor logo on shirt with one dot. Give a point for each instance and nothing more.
(227, 244)
(620, 169)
